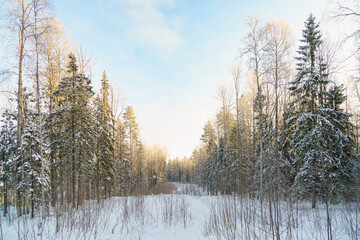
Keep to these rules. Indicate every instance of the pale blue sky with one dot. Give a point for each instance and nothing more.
(168, 56)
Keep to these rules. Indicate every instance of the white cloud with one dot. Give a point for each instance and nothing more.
(150, 27)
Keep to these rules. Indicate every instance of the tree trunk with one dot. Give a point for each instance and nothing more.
(313, 199)
(32, 197)
(97, 181)
(73, 165)
(61, 188)
(37, 81)
(20, 113)
(79, 192)
(5, 198)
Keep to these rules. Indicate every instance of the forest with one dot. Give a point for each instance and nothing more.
(278, 160)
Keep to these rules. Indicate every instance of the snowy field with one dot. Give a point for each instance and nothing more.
(188, 213)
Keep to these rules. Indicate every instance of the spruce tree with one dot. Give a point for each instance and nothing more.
(339, 137)
(103, 168)
(312, 123)
(122, 164)
(31, 168)
(27, 167)
(230, 168)
(263, 139)
(213, 173)
(7, 155)
(73, 121)
(104, 143)
(219, 166)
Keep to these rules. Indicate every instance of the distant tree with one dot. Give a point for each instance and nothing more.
(141, 181)
(132, 138)
(156, 157)
(132, 130)
(209, 137)
(224, 118)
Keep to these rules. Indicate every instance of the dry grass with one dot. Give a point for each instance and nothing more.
(160, 188)
(164, 188)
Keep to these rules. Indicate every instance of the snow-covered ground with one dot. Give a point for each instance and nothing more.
(188, 214)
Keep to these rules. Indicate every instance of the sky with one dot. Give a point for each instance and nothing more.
(166, 58)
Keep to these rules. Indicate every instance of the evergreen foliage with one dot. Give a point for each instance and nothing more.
(315, 123)
(67, 145)
(74, 123)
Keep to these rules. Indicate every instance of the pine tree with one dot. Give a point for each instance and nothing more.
(132, 129)
(208, 137)
(132, 133)
(225, 120)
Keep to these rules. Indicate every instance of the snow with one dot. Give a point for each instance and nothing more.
(188, 214)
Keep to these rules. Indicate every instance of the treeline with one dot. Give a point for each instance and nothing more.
(290, 137)
(180, 170)
(63, 143)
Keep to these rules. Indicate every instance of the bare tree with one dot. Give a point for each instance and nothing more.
(224, 117)
(278, 51)
(54, 51)
(349, 11)
(255, 51)
(21, 23)
(84, 61)
(40, 26)
(236, 74)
